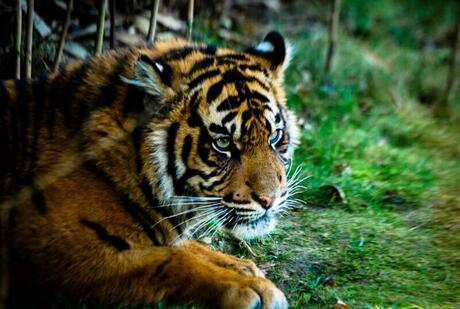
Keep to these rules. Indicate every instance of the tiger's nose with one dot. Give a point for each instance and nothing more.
(267, 201)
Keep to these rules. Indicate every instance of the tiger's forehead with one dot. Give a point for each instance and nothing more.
(247, 113)
(233, 92)
(236, 96)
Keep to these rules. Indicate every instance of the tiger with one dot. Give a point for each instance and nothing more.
(112, 166)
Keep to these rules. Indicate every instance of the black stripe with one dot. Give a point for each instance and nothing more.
(233, 76)
(139, 214)
(143, 218)
(134, 100)
(209, 49)
(201, 65)
(38, 198)
(229, 199)
(179, 54)
(229, 117)
(229, 103)
(115, 241)
(161, 272)
(218, 129)
(22, 100)
(267, 106)
(277, 117)
(232, 57)
(136, 138)
(218, 182)
(214, 91)
(74, 80)
(194, 120)
(202, 77)
(258, 96)
(186, 149)
(39, 93)
(245, 116)
(254, 67)
(268, 125)
(147, 190)
(203, 147)
(55, 89)
(109, 92)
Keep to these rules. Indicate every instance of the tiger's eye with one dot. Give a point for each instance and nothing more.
(222, 143)
(275, 137)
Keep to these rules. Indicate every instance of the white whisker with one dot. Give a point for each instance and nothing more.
(185, 212)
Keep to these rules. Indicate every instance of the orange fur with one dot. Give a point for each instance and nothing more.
(97, 152)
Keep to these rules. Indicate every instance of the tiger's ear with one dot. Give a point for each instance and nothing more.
(154, 77)
(274, 51)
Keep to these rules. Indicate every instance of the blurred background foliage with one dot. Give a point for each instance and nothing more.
(381, 226)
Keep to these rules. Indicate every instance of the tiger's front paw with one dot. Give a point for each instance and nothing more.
(244, 267)
(254, 293)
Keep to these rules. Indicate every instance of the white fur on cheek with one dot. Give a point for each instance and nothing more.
(157, 142)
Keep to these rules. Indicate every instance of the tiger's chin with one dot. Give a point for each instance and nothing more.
(253, 229)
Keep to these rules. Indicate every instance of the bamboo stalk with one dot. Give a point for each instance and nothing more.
(29, 38)
(153, 21)
(65, 28)
(443, 108)
(100, 26)
(190, 19)
(112, 23)
(333, 25)
(18, 38)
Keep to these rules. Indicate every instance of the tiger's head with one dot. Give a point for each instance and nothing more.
(224, 138)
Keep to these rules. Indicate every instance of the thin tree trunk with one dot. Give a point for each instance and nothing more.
(444, 104)
(18, 38)
(333, 25)
(153, 21)
(112, 23)
(29, 38)
(100, 27)
(65, 28)
(191, 4)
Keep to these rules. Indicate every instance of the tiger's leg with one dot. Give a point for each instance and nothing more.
(242, 266)
(80, 240)
(172, 274)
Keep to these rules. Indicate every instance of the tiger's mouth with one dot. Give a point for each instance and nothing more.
(206, 215)
(244, 228)
(250, 226)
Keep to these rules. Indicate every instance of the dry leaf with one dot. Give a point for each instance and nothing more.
(341, 305)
